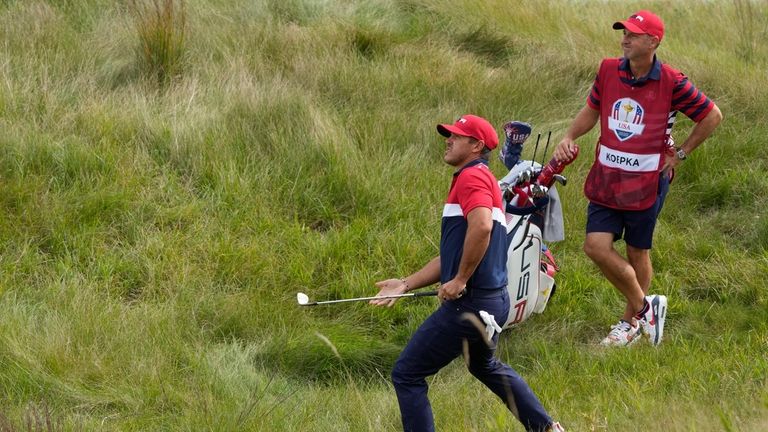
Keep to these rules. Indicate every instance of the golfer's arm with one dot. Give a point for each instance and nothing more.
(428, 275)
(476, 241)
(702, 130)
(584, 121)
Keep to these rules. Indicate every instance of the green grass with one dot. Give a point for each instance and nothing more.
(155, 229)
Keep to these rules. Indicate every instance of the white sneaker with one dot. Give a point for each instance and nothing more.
(556, 427)
(653, 320)
(622, 334)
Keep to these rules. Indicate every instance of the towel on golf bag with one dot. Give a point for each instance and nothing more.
(553, 228)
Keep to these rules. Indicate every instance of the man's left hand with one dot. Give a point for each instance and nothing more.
(670, 162)
(451, 290)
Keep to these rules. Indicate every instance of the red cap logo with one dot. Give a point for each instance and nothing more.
(642, 22)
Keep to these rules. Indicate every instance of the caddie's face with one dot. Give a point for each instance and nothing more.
(460, 149)
(636, 45)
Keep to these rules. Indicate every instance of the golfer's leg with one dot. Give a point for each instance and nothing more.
(507, 385)
(431, 347)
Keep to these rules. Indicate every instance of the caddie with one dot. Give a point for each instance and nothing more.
(636, 98)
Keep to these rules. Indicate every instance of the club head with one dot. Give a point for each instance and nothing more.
(560, 179)
(302, 298)
(539, 191)
(525, 176)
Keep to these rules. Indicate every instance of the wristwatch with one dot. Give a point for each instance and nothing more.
(680, 153)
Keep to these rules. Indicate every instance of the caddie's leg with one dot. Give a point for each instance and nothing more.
(599, 248)
(639, 227)
(431, 347)
(640, 260)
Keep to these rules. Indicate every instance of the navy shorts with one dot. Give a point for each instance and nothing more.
(635, 227)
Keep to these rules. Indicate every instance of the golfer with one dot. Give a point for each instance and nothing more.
(471, 269)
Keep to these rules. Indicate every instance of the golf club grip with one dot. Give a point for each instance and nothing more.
(434, 293)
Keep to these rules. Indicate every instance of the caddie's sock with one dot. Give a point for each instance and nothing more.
(645, 308)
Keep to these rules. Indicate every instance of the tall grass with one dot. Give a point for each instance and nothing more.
(748, 29)
(161, 26)
(152, 243)
(36, 419)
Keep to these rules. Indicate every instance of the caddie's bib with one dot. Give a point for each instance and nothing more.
(633, 133)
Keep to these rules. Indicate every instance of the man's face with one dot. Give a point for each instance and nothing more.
(460, 149)
(637, 45)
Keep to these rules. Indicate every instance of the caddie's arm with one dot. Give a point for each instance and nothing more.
(700, 132)
(476, 241)
(584, 121)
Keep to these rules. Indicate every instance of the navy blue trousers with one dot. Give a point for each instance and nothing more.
(439, 340)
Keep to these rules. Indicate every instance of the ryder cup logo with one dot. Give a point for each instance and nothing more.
(626, 119)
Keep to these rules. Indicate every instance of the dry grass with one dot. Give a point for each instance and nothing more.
(161, 26)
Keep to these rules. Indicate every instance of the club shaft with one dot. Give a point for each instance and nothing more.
(546, 147)
(419, 294)
(535, 149)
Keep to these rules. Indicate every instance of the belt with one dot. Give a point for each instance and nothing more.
(480, 293)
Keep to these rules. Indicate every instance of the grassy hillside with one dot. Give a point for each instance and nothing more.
(159, 214)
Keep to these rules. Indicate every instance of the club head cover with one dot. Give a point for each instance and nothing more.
(516, 132)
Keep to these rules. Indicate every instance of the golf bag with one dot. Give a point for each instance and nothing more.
(531, 267)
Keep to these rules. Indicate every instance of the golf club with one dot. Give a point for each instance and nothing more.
(303, 299)
(535, 149)
(546, 147)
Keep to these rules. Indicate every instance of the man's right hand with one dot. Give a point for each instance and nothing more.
(566, 150)
(389, 287)
(584, 121)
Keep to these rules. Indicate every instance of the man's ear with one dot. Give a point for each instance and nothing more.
(482, 144)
